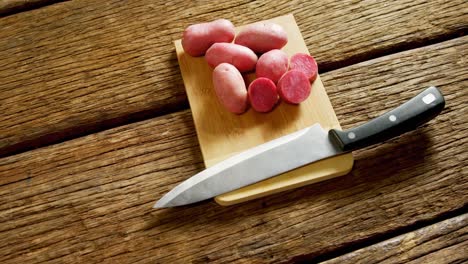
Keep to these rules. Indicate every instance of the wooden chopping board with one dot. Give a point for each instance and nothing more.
(222, 134)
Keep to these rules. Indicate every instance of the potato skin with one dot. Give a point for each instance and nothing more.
(198, 38)
(272, 65)
(230, 88)
(243, 58)
(262, 37)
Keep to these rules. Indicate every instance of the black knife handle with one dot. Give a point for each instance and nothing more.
(417, 111)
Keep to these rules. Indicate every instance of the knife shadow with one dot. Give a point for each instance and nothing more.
(390, 163)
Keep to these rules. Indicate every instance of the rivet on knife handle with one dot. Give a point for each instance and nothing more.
(417, 111)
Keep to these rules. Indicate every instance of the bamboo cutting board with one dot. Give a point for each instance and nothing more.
(222, 134)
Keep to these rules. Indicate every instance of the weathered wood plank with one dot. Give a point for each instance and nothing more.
(89, 199)
(8, 7)
(78, 67)
(443, 242)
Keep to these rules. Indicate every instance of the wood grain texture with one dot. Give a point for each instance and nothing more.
(222, 134)
(89, 200)
(76, 67)
(8, 7)
(443, 242)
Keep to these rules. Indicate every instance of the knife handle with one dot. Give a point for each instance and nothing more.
(417, 111)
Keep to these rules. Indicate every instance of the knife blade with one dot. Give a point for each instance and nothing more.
(300, 148)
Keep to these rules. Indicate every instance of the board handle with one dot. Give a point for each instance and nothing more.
(415, 112)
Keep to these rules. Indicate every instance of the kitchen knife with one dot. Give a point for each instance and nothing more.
(301, 148)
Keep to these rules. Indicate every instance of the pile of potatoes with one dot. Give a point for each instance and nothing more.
(277, 75)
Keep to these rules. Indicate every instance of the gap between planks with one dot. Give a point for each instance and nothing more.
(84, 130)
(339, 253)
(367, 45)
(442, 242)
(11, 7)
(72, 193)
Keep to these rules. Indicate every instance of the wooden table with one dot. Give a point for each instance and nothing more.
(95, 126)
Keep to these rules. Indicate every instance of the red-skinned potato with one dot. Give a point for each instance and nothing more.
(272, 65)
(262, 37)
(305, 63)
(294, 87)
(230, 88)
(243, 58)
(198, 38)
(263, 95)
